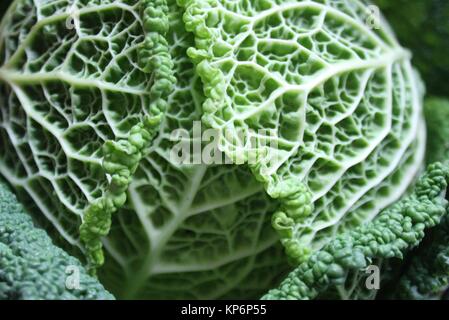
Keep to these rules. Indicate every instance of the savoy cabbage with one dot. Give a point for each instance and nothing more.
(31, 266)
(91, 90)
(389, 235)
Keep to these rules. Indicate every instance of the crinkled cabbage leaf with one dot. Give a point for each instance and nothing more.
(339, 98)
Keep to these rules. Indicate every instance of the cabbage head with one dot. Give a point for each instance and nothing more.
(92, 90)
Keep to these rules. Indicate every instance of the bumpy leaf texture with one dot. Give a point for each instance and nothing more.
(425, 274)
(340, 97)
(31, 267)
(186, 231)
(420, 273)
(396, 230)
